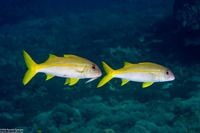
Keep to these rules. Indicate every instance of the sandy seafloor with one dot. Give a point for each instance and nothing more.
(114, 32)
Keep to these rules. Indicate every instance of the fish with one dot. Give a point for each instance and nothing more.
(71, 67)
(145, 72)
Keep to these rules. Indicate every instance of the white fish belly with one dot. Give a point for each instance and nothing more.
(138, 77)
(67, 72)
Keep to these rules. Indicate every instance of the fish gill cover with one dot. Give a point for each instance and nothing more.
(114, 32)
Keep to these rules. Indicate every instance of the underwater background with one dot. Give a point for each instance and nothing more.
(114, 31)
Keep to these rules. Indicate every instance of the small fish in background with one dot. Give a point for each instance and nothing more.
(146, 72)
(71, 67)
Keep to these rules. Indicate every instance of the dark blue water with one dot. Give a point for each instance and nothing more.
(118, 31)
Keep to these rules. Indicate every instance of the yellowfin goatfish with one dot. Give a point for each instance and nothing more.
(146, 72)
(71, 67)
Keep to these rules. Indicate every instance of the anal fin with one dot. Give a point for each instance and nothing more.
(124, 81)
(49, 76)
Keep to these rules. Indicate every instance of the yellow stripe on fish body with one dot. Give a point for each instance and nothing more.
(69, 66)
(143, 72)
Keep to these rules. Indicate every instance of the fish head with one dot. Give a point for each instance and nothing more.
(166, 75)
(93, 71)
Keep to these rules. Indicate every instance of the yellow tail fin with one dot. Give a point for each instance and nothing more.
(31, 68)
(108, 77)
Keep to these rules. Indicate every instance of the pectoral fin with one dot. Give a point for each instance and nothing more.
(49, 76)
(71, 81)
(146, 84)
(124, 81)
(80, 71)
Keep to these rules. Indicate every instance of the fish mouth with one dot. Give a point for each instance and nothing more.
(97, 76)
(99, 73)
(172, 77)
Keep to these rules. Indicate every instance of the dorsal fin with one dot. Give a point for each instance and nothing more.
(127, 63)
(51, 56)
(70, 55)
(145, 63)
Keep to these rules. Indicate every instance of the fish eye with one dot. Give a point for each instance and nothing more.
(167, 72)
(93, 67)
